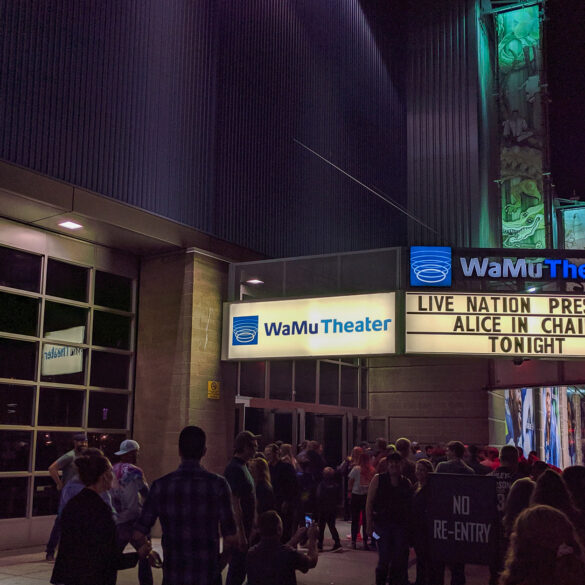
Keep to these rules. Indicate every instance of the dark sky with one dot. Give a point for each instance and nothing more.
(565, 42)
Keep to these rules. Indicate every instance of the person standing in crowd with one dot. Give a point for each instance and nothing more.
(388, 513)
(474, 461)
(408, 466)
(128, 493)
(287, 456)
(244, 494)
(574, 477)
(192, 505)
(88, 550)
(454, 464)
(517, 501)
(380, 450)
(551, 490)
(66, 465)
(544, 549)
(343, 469)
(327, 500)
(420, 533)
(264, 493)
(358, 483)
(284, 483)
(272, 563)
(506, 474)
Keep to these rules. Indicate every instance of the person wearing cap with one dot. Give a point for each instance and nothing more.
(244, 501)
(66, 465)
(128, 492)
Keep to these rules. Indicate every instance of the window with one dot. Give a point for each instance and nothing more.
(56, 348)
(328, 383)
(59, 407)
(66, 280)
(281, 380)
(305, 380)
(16, 404)
(18, 314)
(252, 379)
(20, 270)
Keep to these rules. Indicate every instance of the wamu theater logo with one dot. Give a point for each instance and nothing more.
(430, 266)
(245, 330)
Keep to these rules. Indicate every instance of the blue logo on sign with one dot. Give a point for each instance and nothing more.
(245, 331)
(430, 266)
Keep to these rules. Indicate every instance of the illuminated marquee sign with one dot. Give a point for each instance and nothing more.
(316, 327)
(513, 325)
(431, 266)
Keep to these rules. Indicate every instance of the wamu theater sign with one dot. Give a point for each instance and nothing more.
(432, 266)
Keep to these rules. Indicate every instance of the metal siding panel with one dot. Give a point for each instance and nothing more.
(443, 168)
(189, 110)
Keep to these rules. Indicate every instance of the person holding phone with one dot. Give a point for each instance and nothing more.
(271, 562)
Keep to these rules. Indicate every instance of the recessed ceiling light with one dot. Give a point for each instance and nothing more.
(70, 225)
(254, 281)
(531, 289)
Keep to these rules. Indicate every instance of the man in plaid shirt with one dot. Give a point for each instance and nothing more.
(192, 504)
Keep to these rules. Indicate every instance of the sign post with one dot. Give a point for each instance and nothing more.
(462, 518)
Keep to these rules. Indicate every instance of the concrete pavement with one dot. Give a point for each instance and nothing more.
(348, 567)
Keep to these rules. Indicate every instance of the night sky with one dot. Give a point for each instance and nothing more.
(565, 30)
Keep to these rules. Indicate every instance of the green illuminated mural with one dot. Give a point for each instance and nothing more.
(522, 129)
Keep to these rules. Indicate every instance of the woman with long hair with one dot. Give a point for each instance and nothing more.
(544, 550)
(286, 455)
(88, 550)
(551, 490)
(358, 482)
(264, 493)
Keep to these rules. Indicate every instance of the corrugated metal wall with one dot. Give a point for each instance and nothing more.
(189, 109)
(443, 129)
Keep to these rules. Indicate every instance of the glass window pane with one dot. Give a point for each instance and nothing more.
(107, 411)
(18, 314)
(18, 359)
(305, 380)
(113, 291)
(61, 408)
(51, 445)
(13, 495)
(109, 370)
(63, 364)
(252, 378)
(66, 281)
(15, 450)
(16, 404)
(328, 383)
(64, 322)
(45, 497)
(364, 389)
(109, 443)
(20, 270)
(349, 386)
(281, 380)
(111, 330)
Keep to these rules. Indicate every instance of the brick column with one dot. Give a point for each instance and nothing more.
(178, 352)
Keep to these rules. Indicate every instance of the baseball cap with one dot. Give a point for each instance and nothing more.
(127, 446)
(80, 437)
(244, 439)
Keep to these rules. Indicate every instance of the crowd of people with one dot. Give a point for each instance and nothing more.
(267, 503)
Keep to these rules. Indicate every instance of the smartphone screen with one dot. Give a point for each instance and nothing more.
(375, 535)
(308, 521)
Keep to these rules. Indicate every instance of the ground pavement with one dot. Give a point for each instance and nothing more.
(348, 567)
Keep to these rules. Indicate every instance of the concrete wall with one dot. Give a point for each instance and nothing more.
(430, 399)
(178, 352)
